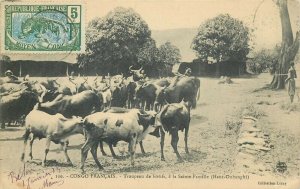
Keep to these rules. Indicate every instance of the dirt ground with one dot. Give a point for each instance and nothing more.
(213, 149)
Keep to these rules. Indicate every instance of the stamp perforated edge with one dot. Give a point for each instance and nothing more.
(3, 51)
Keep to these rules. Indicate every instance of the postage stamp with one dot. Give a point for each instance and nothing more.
(43, 27)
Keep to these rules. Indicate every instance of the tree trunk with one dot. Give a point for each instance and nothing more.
(289, 48)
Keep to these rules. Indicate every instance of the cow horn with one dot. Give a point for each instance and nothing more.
(141, 68)
(130, 68)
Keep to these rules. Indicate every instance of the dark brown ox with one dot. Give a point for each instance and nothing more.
(148, 94)
(173, 118)
(16, 104)
(187, 88)
(81, 104)
(55, 128)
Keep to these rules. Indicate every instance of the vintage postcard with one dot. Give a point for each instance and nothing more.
(150, 94)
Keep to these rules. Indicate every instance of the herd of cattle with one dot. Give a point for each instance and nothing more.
(104, 109)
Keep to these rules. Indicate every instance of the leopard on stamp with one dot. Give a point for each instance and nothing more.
(43, 28)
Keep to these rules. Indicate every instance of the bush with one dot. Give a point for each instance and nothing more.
(263, 61)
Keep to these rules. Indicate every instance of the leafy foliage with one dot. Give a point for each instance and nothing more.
(168, 56)
(122, 39)
(5, 59)
(222, 38)
(264, 60)
(114, 41)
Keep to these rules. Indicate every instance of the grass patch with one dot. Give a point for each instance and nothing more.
(253, 111)
(291, 107)
(233, 125)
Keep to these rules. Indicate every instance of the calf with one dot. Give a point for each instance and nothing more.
(55, 128)
(172, 118)
(111, 128)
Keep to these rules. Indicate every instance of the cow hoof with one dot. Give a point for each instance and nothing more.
(101, 168)
(187, 152)
(162, 159)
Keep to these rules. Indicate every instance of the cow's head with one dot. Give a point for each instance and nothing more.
(53, 84)
(82, 86)
(78, 123)
(147, 120)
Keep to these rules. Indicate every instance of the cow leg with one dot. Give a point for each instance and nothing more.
(186, 132)
(84, 151)
(48, 140)
(174, 142)
(132, 147)
(101, 148)
(26, 136)
(3, 125)
(144, 104)
(65, 149)
(162, 141)
(30, 144)
(142, 148)
(112, 151)
(94, 154)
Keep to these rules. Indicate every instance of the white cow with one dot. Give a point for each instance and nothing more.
(55, 128)
(113, 127)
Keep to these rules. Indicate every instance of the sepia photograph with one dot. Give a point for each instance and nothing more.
(150, 94)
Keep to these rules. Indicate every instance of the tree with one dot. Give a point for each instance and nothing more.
(264, 60)
(114, 41)
(289, 46)
(222, 38)
(148, 58)
(169, 55)
(5, 59)
(4, 63)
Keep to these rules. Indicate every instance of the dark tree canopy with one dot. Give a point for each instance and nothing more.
(114, 41)
(264, 60)
(169, 54)
(121, 39)
(222, 38)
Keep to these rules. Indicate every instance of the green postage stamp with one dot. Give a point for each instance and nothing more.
(42, 27)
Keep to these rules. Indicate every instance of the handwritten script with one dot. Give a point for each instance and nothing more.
(39, 179)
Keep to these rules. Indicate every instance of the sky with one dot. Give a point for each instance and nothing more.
(170, 14)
